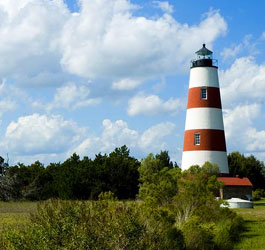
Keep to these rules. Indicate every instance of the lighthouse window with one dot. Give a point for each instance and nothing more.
(203, 93)
(197, 139)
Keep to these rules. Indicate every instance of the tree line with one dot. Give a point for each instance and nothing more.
(85, 179)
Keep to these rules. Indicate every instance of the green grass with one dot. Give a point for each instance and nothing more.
(254, 236)
(15, 214)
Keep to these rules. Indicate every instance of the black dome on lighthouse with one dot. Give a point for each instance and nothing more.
(204, 58)
(204, 51)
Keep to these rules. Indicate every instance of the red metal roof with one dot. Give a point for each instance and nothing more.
(235, 181)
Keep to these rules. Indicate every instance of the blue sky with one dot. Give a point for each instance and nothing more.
(89, 76)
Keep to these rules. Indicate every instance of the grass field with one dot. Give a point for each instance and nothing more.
(16, 214)
(254, 236)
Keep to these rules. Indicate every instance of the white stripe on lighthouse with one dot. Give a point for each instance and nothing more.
(204, 77)
(190, 158)
(204, 118)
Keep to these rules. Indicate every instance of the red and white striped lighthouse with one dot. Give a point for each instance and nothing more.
(204, 138)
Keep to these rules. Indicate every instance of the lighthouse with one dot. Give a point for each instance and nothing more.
(204, 138)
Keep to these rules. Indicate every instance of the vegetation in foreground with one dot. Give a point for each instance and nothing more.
(175, 210)
(252, 237)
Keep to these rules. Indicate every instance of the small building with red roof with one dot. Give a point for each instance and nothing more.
(236, 187)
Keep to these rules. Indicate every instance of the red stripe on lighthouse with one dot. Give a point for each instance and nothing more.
(210, 139)
(213, 99)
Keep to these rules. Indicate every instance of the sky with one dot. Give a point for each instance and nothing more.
(90, 75)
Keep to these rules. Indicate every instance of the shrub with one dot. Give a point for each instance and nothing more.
(228, 228)
(104, 224)
(198, 235)
(258, 194)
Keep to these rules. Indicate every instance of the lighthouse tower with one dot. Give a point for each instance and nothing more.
(204, 138)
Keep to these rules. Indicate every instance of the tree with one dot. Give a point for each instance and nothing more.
(196, 196)
(158, 183)
(187, 200)
(247, 167)
(122, 174)
(164, 159)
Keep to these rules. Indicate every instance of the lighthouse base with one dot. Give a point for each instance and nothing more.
(190, 158)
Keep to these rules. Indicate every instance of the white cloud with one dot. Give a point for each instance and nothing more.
(72, 96)
(120, 45)
(12, 97)
(231, 52)
(152, 105)
(41, 134)
(244, 80)
(117, 133)
(164, 6)
(7, 105)
(30, 31)
(40, 37)
(240, 128)
(125, 84)
(51, 138)
(256, 140)
(247, 44)
(237, 120)
(151, 138)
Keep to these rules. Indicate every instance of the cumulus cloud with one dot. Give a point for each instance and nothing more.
(152, 105)
(244, 80)
(41, 134)
(30, 31)
(12, 97)
(240, 128)
(118, 133)
(42, 43)
(72, 96)
(51, 138)
(164, 6)
(231, 52)
(7, 105)
(155, 134)
(248, 44)
(125, 84)
(120, 45)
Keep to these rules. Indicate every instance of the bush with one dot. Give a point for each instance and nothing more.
(198, 235)
(258, 194)
(228, 229)
(104, 224)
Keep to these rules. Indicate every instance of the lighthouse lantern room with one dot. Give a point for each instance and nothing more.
(204, 138)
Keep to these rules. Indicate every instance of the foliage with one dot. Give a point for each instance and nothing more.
(198, 235)
(258, 194)
(197, 187)
(158, 183)
(175, 210)
(103, 224)
(188, 200)
(247, 167)
(75, 178)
